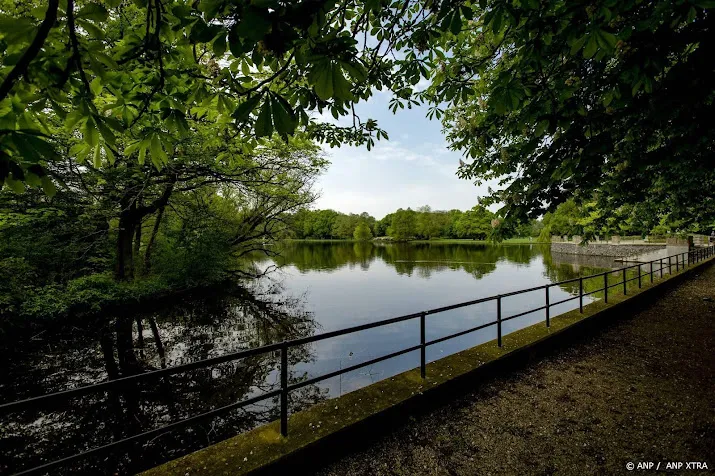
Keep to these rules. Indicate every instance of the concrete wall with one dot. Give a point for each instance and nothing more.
(602, 249)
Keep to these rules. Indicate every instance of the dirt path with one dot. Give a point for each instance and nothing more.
(641, 390)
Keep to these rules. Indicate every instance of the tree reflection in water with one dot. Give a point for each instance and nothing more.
(195, 329)
(201, 327)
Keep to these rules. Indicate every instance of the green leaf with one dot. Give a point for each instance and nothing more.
(15, 30)
(577, 45)
(15, 185)
(219, 45)
(110, 155)
(356, 71)
(591, 47)
(541, 127)
(341, 86)
(97, 157)
(284, 117)
(91, 28)
(158, 156)
(48, 186)
(32, 179)
(321, 77)
(142, 152)
(90, 133)
(210, 8)
(497, 22)
(93, 11)
(254, 24)
(244, 110)
(96, 86)
(264, 123)
(606, 40)
(455, 25)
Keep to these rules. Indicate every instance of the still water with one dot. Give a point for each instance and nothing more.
(313, 288)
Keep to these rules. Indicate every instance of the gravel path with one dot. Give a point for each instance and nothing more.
(641, 390)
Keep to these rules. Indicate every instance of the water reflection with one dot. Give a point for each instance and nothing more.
(321, 287)
(354, 283)
(197, 328)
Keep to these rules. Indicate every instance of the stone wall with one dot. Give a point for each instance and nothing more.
(602, 249)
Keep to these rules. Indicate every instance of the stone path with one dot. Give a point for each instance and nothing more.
(642, 390)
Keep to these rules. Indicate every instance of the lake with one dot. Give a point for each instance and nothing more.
(312, 288)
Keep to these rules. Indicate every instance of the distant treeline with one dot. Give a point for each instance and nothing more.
(423, 223)
(573, 218)
(568, 219)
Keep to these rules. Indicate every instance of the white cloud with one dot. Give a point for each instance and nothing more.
(415, 168)
(393, 176)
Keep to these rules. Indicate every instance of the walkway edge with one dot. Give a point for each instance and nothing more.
(327, 430)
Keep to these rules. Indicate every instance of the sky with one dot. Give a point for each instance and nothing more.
(411, 169)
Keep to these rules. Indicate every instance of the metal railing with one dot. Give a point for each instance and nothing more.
(680, 260)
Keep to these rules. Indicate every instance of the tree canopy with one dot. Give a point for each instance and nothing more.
(141, 69)
(570, 98)
(362, 232)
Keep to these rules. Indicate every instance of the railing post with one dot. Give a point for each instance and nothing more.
(624, 281)
(499, 320)
(670, 266)
(639, 275)
(284, 390)
(605, 287)
(677, 263)
(580, 294)
(651, 271)
(548, 311)
(423, 347)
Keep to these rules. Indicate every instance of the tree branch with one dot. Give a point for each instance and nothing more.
(20, 68)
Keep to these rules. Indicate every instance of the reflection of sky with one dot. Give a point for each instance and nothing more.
(351, 295)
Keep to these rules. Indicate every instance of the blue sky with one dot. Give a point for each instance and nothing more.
(412, 169)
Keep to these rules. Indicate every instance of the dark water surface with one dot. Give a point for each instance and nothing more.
(318, 287)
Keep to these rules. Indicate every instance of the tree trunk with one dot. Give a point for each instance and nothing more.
(157, 340)
(137, 247)
(140, 337)
(125, 238)
(128, 363)
(129, 219)
(107, 345)
(152, 238)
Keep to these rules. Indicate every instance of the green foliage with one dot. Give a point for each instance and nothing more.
(128, 228)
(604, 100)
(400, 225)
(362, 232)
(328, 224)
(475, 223)
(531, 228)
(586, 219)
(85, 295)
(403, 226)
(142, 70)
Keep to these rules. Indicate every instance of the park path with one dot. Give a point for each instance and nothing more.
(641, 390)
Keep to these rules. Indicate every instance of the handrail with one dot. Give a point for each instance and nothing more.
(681, 259)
